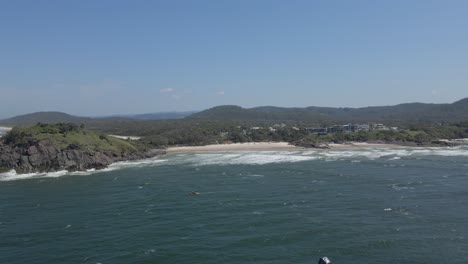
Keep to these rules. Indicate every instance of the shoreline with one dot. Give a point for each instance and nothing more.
(461, 140)
(125, 137)
(270, 146)
(363, 145)
(265, 146)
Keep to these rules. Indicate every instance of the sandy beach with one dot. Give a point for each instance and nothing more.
(268, 146)
(236, 147)
(5, 128)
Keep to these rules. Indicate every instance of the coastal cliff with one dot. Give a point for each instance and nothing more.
(46, 148)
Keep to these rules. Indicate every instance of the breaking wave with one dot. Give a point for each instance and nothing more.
(136, 163)
(390, 153)
(393, 154)
(353, 155)
(12, 175)
(252, 158)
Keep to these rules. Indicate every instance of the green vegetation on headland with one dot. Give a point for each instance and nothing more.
(67, 135)
(65, 146)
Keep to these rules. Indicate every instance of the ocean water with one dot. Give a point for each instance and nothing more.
(373, 205)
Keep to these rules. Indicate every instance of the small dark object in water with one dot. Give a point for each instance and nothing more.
(194, 193)
(324, 260)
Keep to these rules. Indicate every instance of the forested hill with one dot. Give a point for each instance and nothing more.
(411, 112)
(44, 117)
(158, 115)
(401, 114)
(59, 117)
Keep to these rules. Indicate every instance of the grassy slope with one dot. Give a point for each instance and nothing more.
(66, 135)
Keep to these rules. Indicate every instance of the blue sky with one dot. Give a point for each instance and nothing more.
(114, 57)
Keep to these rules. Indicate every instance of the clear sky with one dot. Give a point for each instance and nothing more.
(98, 57)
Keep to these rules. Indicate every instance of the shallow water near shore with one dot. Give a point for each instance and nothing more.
(369, 205)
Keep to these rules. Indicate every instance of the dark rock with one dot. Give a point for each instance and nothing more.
(44, 157)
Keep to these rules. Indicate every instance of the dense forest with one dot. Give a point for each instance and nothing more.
(212, 133)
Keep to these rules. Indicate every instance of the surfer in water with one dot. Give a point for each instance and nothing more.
(324, 260)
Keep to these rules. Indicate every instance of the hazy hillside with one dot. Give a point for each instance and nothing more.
(411, 112)
(59, 117)
(400, 115)
(159, 115)
(44, 117)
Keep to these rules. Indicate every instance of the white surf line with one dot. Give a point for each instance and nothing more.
(251, 158)
(250, 146)
(126, 137)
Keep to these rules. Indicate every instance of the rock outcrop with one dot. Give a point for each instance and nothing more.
(45, 157)
(48, 148)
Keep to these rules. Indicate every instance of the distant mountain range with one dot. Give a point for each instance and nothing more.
(44, 117)
(158, 116)
(410, 112)
(57, 117)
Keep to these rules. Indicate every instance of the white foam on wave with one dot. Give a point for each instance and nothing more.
(354, 155)
(264, 157)
(135, 163)
(12, 175)
(447, 152)
(256, 175)
(253, 158)
(391, 153)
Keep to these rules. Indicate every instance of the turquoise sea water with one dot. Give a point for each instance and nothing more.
(380, 205)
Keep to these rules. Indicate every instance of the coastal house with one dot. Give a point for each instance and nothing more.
(317, 130)
(380, 127)
(279, 125)
(335, 129)
(350, 128)
(362, 127)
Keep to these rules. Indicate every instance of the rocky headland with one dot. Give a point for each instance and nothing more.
(48, 148)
